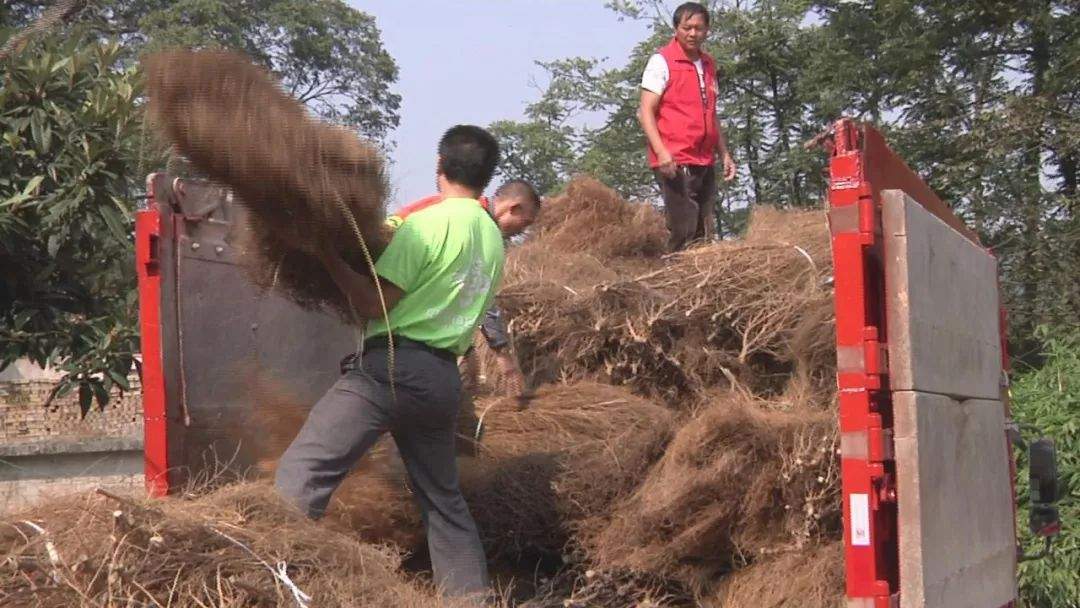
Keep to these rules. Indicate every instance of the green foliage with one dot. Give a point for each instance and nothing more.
(539, 151)
(74, 154)
(552, 144)
(762, 51)
(979, 98)
(1048, 399)
(328, 55)
(70, 123)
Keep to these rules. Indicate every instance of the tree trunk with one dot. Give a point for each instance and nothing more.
(1032, 164)
(751, 154)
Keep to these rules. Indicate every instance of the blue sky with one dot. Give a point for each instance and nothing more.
(472, 61)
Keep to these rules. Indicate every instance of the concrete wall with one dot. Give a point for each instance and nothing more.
(24, 369)
(55, 451)
(34, 471)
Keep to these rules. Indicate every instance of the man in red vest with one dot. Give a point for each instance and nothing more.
(678, 115)
(516, 206)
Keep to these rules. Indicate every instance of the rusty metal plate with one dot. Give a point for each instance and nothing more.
(225, 341)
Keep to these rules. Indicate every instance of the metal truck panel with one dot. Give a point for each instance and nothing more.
(942, 305)
(862, 169)
(220, 337)
(957, 547)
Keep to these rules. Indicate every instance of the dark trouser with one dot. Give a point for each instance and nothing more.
(689, 198)
(354, 413)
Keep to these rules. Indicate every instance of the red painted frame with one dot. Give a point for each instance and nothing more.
(871, 565)
(860, 168)
(155, 450)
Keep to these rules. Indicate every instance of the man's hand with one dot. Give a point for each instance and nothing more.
(650, 105)
(513, 381)
(359, 289)
(328, 257)
(666, 166)
(730, 170)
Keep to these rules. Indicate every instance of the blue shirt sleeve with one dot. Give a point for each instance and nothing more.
(494, 329)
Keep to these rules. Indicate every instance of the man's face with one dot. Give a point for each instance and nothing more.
(692, 32)
(514, 215)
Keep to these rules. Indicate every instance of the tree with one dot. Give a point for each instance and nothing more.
(972, 98)
(1047, 399)
(75, 154)
(327, 54)
(71, 129)
(540, 150)
(552, 148)
(979, 98)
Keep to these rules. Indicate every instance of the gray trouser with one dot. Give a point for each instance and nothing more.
(354, 413)
(689, 200)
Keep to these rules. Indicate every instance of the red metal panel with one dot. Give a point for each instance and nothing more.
(861, 167)
(869, 501)
(885, 171)
(1006, 402)
(147, 234)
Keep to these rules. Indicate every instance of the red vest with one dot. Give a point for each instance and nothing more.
(687, 125)
(398, 217)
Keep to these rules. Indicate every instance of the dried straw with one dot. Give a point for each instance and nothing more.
(592, 218)
(304, 184)
(564, 455)
(566, 458)
(752, 312)
(374, 501)
(562, 417)
(235, 546)
(810, 578)
(578, 588)
(737, 481)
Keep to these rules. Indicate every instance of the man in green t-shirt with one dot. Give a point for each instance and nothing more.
(438, 276)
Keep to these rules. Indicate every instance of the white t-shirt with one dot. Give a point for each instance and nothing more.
(655, 78)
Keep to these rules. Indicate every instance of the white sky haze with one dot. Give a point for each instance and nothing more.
(473, 62)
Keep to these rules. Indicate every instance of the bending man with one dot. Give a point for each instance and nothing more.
(515, 206)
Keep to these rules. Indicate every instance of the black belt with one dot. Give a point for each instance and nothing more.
(400, 342)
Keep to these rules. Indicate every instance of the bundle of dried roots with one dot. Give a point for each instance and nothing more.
(737, 481)
(305, 186)
(236, 546)
(755, 312)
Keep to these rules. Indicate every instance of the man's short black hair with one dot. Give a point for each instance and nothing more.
(688, 10)
(468, 156)
(519, 189)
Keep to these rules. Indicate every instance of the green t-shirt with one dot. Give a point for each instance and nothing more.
(448, 259)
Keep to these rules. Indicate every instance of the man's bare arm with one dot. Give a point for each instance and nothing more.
(725, 154)
(650, 103)
(360, 288)
(498, 338)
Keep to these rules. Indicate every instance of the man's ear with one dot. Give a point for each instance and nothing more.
(534, 210)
